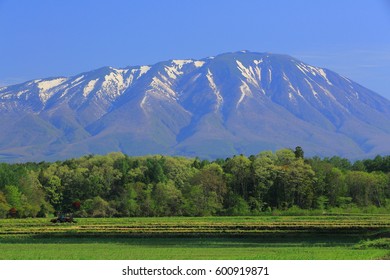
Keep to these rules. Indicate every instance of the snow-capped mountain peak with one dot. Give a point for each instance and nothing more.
(240, 102)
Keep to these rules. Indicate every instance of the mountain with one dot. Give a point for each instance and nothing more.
(233, 103)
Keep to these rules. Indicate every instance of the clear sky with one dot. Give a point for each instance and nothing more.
(47, 38)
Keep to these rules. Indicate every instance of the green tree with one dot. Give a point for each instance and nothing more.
(341, 163)
(155, 170)
(299, 152)
(127, 204)
(34, 194)
(293, 185)
(240, 169)
(196, 203)
(54, 192)
(367, 188)
(179, 170)
(14, 197)
(76, 186)
(263, 175)
(98, 207)
(378, 189)
(335, 187)
(143, 196)
(236, 206)
(211, 178)
(284, 157)
(358, 166)
(168, 199)
(204, 194)
(4, 206)
(10, 174)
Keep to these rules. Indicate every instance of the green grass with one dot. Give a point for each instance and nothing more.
(182, 248)
(268, 237)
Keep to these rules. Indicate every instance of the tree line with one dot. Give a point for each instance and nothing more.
(119, 185)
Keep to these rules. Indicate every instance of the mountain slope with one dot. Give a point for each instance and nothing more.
(233, 103)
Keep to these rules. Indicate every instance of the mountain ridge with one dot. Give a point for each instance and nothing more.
(240, 102)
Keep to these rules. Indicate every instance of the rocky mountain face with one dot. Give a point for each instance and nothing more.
(219, 106)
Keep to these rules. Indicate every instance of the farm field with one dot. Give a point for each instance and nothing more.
(265, 237)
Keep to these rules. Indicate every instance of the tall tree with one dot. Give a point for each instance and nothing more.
(4, 206)
(167, 199)
(299, 152)
(263, 176)
(240, 168)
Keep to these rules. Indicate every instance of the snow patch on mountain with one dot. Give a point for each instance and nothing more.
(45, 88)
(143, 101)
(199, 63)
(76, 82)
(311, 69)
(299, 93)
(300, 68)
(173, 72)
(5, 94)
(245, 91)
(113, 84)
(89, 87)
(323, 89)
(305, 69)
(180, 62)
(77, 79)
(327, 93)
(291, 89)
(143, 70)
(20, 93)
(158, 87)
(257, 62)
(290, 96)
(214, 88)
(269, 76)
(315, 93)
(258, 72)
(323, 75)
(248, 73)
(196, 77)
(48, 84)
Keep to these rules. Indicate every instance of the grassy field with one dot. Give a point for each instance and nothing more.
(267, 237)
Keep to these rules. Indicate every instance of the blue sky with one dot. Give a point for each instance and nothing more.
(47, 38)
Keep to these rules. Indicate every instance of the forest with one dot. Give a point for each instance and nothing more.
(116, 185)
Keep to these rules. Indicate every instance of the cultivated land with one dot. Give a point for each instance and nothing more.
(266, 237)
